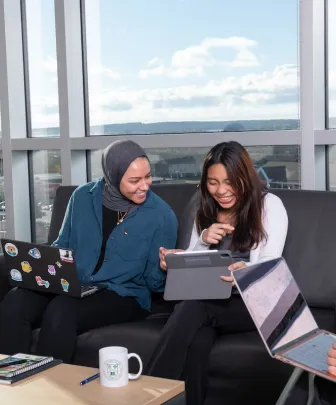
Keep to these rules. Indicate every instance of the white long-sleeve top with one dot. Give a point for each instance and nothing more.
(275, 223)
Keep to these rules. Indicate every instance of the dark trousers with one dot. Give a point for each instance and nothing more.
(61, 319)
(186, 340)
(325, 392)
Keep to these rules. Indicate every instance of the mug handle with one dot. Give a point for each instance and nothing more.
(135, 376)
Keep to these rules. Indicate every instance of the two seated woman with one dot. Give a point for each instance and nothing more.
(116, 227)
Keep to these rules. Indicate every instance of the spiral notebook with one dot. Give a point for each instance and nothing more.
(29, 365)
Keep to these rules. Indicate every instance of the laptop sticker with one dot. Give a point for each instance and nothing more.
(11, 249)
(42, 283)
(51, 270)
(65, 285)
(16, 275)
(26, 267)
(35, 253)
(66, 255)
(58, 264)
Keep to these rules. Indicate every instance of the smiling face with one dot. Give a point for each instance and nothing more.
(136, 181)
(219, 186)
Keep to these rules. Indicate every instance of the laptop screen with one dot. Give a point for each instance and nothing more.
(275, 302)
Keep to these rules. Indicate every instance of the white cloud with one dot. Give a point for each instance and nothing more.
(191, 61)
(244, 58)
(161, 70)
(200, 55)
(266, 95)
(102, 71)
(155, 61)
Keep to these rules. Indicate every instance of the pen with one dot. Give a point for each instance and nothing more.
(87, 380)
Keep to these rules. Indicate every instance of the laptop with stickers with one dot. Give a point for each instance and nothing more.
(283, 318)
(44, 268)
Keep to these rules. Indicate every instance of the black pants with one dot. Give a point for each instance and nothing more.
(61, 319)
(325, 392)
(187, 338)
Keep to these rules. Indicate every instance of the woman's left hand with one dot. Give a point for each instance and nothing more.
(233, 267)
(332, 360)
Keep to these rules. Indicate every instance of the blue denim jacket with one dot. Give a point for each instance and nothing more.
(131, 264)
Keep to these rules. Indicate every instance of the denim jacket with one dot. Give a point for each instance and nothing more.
(131, 263)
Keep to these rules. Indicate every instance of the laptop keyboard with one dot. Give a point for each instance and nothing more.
(313, 353)
(85, 288)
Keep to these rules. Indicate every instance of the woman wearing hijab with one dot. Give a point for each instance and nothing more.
(115, 226)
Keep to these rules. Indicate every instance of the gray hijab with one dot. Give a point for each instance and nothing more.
(115, 161)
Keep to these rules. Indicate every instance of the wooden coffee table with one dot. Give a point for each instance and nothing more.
(60, 386)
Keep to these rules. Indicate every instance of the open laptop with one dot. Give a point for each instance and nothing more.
(44, 268)
(195, 275)
(283, 318)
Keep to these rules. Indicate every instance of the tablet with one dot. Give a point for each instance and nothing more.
(195, 275)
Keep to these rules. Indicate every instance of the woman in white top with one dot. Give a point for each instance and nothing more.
(235, 212)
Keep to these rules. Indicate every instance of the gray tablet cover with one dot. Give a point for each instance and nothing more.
(196, 276)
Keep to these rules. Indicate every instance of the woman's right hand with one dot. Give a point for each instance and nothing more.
(162, 254)
(215, 233)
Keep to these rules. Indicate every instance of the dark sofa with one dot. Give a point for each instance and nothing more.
(240, 367)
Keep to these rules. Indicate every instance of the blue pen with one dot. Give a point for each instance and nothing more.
(93, 377)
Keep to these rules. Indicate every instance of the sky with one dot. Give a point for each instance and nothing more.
(331, 22)
(174, 60)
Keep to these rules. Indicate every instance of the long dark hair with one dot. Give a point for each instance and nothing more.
(249, 191)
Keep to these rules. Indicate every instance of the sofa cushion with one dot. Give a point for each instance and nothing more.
(310, 243)
(187, 220)
(241, 367)
(139, 337)
(325, 318)
(61, 200)
(177, 196)
(160, 306)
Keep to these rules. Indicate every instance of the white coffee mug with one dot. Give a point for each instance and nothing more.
(113, 366)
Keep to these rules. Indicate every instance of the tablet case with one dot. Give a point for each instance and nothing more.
(196, 275)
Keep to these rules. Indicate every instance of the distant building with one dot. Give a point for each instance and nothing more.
(160, 168)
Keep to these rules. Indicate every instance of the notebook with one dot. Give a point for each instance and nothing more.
(32, 364)
(283, 318)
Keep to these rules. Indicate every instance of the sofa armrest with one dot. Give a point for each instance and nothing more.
(4, 283)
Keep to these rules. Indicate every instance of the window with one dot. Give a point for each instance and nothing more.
(175, 66)
(332, 168)
(278, 166)
(331, 16)
(2, 203)
(46, 178)
(42, 67)
(2, 196)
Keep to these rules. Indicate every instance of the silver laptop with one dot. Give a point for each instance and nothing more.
(195, 275)
(283, 318)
